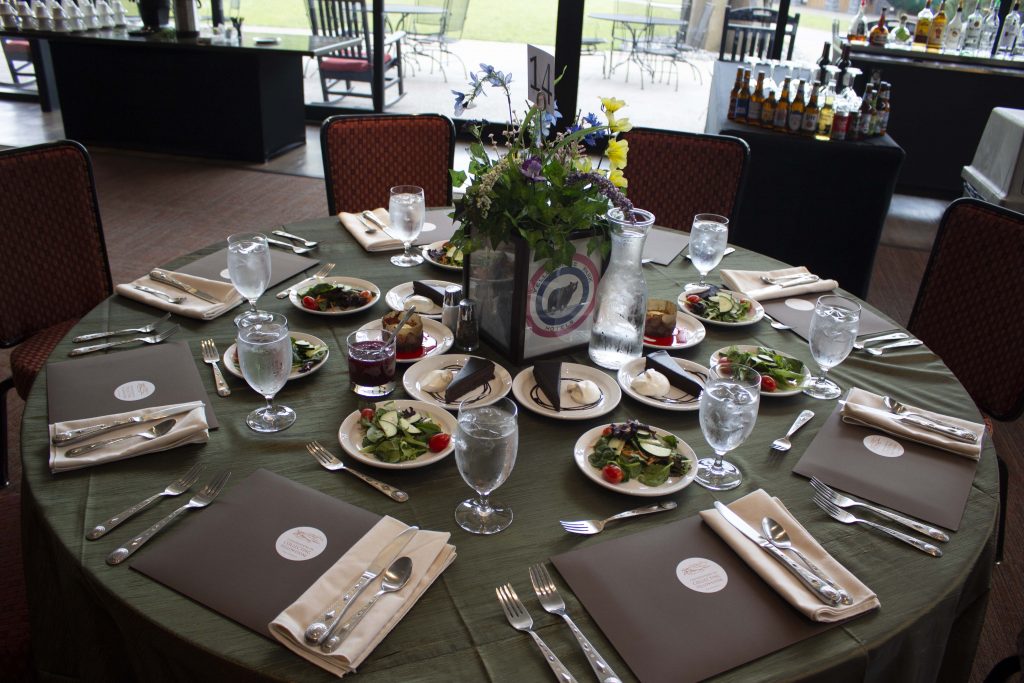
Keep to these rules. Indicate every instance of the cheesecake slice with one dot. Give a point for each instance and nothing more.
(548, 376)
(435, 294)
(475, 373)
(677, 377)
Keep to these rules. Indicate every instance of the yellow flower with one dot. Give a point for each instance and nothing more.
(616, 153)
(619, 125)
(583, 164)
(612, 105)
(617, 179)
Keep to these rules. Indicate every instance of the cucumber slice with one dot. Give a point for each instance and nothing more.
(616, 444)
(724, 302)
(655, 449)
(389, 428)
(390, 416)
(407, 426)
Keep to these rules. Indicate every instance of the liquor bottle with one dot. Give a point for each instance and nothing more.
(826, 118)
(858, 32)
(809, 125)
(989, 31)
(781, 119)
(901, 36)
(844, 64)
(938, 29)
(953, 39)
(879, 33)
(743, 97)
(756, 102)
(867, 112)
(735, 93)
(972, 30)
(884, 108)
(924, 24)
(796, 110)
(1011, 27)
(768, 109)
(824, 61)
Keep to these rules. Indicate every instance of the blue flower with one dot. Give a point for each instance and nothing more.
(460, 102)
(592, 119)
(531, 169)
(548, 119)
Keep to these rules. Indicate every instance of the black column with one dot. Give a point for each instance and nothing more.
(378, 56)
(568, 36)
(780, 30)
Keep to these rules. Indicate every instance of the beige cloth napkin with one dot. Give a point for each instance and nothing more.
(750, 283)
(430, 553)
(752, 508)
(191, 427)
(192, 307)
(370, 241)
(866, 409)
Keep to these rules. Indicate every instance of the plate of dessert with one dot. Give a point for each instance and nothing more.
(567, 391)
(635, 459)
(452, 379)
(398, 435)
(419, 338)
(666, 327)
(664, 381)
(426, 295)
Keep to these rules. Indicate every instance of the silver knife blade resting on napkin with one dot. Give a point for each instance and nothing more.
(952, 431)
(168, 279)
(75, 435)
(824, 592)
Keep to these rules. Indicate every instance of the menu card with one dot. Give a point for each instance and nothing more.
(662, 246)
(679, 605)
(796, 311)
(444, 227)
(909, 477)
(257, 548)
(283, 265)
(108, 384)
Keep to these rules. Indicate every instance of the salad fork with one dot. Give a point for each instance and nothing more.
(859, 345)
(151, 339)
(175, 488)
(145, 329)
(552, 602)
(596, 526)
(331, 462)
(843, 501)
(327, 267)
(521, 620)
(845, 517)
(783, 444)
(211, 357)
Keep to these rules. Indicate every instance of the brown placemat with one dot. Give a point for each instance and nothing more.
(283, 266)
(226, 556)
(116, 382)
(662, 246)
(796, 311)
(666, 631)
(922, 482)
(444, 227)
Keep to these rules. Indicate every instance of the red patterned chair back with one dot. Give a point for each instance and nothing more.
(678, 175)
(967, 310)
(365, 156)
(53, 262)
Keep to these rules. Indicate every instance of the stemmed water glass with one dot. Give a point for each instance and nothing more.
(485, 451)
(834, 326)
(249, 270)
(265, 358)
(406, 210)
(708, 239)
(728, 410)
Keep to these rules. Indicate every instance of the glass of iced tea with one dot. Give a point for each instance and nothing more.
(371, 362)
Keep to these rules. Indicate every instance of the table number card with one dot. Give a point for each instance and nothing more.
(541, 69)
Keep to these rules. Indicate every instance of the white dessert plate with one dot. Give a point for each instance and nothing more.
(585, 446)
(436, 340)
(350, 436)
(481, 396)
(529, 395)
(397, 296)
(675, 399)
(689, 332)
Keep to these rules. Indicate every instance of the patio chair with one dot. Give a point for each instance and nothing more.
(18, 53)
(364, 156)
(46, 191)
(687, 44)
(750, 32)
(677, 175)
(353, 64)
(436, 32)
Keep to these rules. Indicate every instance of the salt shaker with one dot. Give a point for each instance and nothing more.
(467, 333)
(450, 309)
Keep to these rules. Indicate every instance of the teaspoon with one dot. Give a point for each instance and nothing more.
(779, 537)
(394, 579)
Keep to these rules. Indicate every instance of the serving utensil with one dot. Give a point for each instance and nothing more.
(306, 243)
(326, 268)
(331, 462)
(596, 526)
(521, 620)
(148, 434)
(929, 423)
(859, 345)
(783, 444)
(394, 579)
(879, 350)
(145, 329)
(211, 356)
(779, 537)
(287, 245)
(175, 488)
(150, 339)
(845, 501)
(160, 295)
(845, 517)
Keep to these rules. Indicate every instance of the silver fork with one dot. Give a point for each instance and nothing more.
(330, 462)
(783, 444)
(879, 350)
(175, 488)
(306, 243)
(859, 345)
(843, 501)
(200, 500)
(145, 329)
(521, 620)
(288, 245)
(596, 526)
(151, 339)
(211, 356)
(845, 517)
(327, 267)
(552, 602)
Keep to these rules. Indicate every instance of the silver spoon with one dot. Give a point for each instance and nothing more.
(779, 537)
(776, 324)
(394, 579)
(151, 433)
(286, 245)
(879, 350)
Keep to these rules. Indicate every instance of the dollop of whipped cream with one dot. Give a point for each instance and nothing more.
(421, 303)
(436, 380)
(650, 383)
(584, 392)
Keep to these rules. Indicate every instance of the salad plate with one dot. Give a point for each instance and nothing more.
(351, 433)
(481, 396)
(530, 396)
(675, 399)
(764, 366)
(231, 357)
(689, 332)
(397, 296)
(585, 446)
(296, 294)
(436, 340)
(440, 248)
(751, 317)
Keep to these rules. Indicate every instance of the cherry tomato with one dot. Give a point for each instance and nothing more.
(367, 413)
(607, 431)
(310, 303)
(692, 299)
(612, 473)
(768, 383)
(365, 295)
(439, 442)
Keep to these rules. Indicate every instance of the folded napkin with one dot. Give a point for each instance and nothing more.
(430, 553)
(750, 283)
(191, 307)
(866, 409)
(191, 427)
(752, 508)
(370, 241)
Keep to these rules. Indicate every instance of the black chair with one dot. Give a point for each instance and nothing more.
(435, 33)
(18, 53)
(750, 32)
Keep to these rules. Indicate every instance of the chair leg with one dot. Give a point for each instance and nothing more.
(5, 386)
(1004, 478)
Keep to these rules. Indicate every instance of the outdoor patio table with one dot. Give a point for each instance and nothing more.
(637, 25)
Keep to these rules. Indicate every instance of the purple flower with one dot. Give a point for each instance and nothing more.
(606, 188)
(460, 102)
(531, 169)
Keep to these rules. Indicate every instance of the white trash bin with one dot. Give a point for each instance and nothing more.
(996, 174)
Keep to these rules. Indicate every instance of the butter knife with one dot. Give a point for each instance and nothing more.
(824, 592)
(75, 435)
(790, 280)
(372, 217)
(168, 279)
(949, 430)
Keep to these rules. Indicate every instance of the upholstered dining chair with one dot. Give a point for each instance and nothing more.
(365, 156)
(977, 256)
(677, 175)
(49, 281)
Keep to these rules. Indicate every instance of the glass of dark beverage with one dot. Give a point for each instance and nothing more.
(371, 362)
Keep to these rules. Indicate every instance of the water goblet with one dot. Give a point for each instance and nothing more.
(406, 210)
(486, 442)
(249, 270)
(834, 326)
(265, 358)
(708, 240)
(728, 410)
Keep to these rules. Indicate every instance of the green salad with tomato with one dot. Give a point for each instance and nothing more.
(330, 296)
(715, 303)
(777, 370)
(394, 435)
(632, 450)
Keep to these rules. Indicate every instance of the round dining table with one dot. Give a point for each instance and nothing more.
(95, 622)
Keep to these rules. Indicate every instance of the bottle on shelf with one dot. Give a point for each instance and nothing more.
(768, 109)
(824, 61)
(781, 119)
(809, 124)
(867, 112)
(924, 25)
(972, 30)
(884, 108)
(858, 32)
(843, 64)
(743, 98)
(953, 40)
(756, 102)
(989, 31)
(796, 110)
(826, 117)
(1008, 36)
(901, 35)
(879, 35)
(735, 93)
(938, 30)
(841, 121)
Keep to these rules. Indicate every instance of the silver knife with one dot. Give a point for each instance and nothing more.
(75, 435)
(802, 281)
(952, 431)
(372, 217)
(168, 279)
(824, 592)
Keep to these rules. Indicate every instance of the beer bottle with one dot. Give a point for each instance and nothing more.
(826, 118)
(743, 97)
(809, 125)
(867, 112)
(782, 108)
(938, 30)
(924, 25)
(768, 109)
(756, 102)
(884, 108)
(796, 110)
(735, 93)
(841, 121)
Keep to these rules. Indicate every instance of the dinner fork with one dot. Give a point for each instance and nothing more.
(845, 517)
(879, 350)
(521, 620)
(145, 329)
(552, 602)
(840, 500)
(151, 339)
(211, 356)
(200, 500)
(306, 243)
(329, 461)
(596, 526)
(175, 488)
(327, 267)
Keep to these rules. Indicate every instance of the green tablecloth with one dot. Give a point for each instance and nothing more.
(94, 622)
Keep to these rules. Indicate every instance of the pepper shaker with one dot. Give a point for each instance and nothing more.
(467, 333)
(450, 308)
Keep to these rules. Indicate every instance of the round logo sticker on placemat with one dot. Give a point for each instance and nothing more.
(883, 446)
(135, 390)
(225, 274)
(799, 305)
(562, 300)
(701, 575)
(301, 543)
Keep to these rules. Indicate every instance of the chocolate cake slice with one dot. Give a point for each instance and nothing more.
(677, 377)
(548, 376)
(476, 372)
(435, 294)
